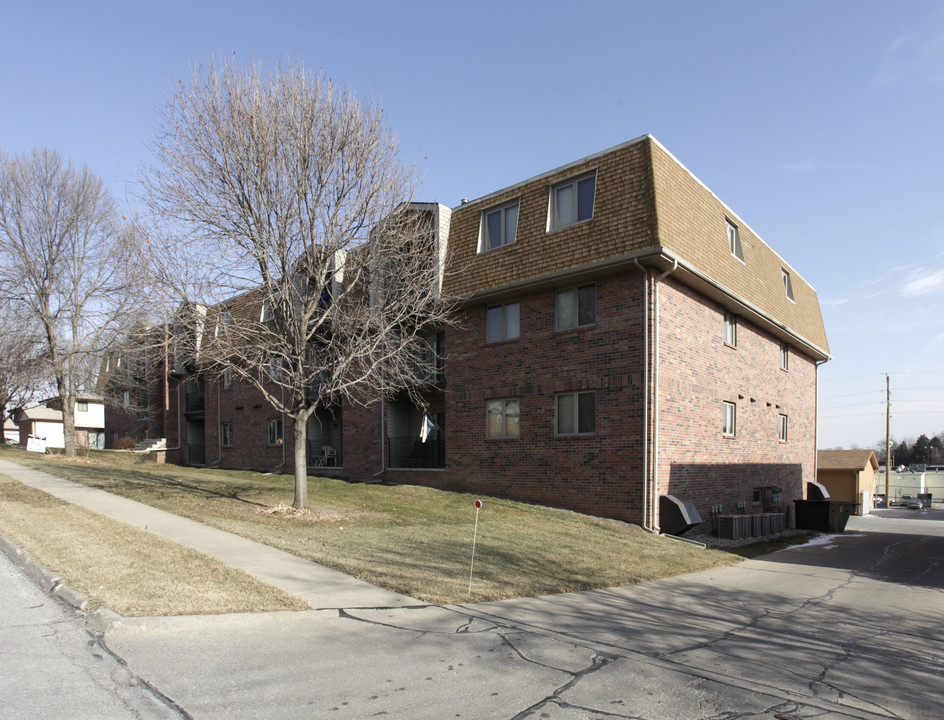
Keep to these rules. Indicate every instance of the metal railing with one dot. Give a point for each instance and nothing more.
(325, 452)
(412, 452)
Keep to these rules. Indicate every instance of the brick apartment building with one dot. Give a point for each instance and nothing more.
(622, 334)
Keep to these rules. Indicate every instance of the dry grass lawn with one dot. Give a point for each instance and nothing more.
(409, 539)
(131, 571)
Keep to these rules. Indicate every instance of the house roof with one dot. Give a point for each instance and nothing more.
(846, 459)
(649, 209)
(40, 412)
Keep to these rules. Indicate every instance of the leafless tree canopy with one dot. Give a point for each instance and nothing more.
(21, 360)
(289, 235)
(67, 267)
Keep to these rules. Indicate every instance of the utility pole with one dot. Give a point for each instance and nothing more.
(888, 436)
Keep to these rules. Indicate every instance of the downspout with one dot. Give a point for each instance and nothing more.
(383, 439)
(167, 393)
(645, 391)
(655, 402)
(816, 431)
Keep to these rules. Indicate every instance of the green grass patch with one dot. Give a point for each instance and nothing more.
(131, 571)
(410, 539)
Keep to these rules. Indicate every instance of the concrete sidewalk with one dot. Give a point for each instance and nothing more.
(319, 586)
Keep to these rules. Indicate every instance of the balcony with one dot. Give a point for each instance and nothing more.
(194, 402)
(411, 452)
(325, 453)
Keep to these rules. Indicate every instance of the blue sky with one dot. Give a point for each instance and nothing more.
(819, 123)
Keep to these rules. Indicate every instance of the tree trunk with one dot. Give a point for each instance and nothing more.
(68, 424)
(301, 464)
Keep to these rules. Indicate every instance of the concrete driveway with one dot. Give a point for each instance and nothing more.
(846, 628)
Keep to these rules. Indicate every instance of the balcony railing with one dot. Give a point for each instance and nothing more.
(194, 402)
(325, 452)
(412, 452)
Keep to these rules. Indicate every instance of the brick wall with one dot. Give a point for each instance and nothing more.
(599, 473)
(697, 372)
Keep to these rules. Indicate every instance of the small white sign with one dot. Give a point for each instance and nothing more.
(36, 444)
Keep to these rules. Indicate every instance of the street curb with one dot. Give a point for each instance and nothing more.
(99, 620)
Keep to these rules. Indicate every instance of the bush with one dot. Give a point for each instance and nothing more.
(124, 443)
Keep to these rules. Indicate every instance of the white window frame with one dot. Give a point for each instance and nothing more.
(275, 368)
(223, 321)
(265, 314)
(575, 293)
(276, 431)
(730, 332)
(734, 239)
(485, 239)
(553, 210)
(787, 284)
(782, 427)
(226, 434)
(784, 356)
(81, 406)
(728, 419)
(505, 332)
(575, 420)
(227, 378)
(508, 411)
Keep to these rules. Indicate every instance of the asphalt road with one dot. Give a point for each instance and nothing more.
(846, 628)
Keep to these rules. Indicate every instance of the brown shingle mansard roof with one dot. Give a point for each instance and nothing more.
(845, 459)
(648, 208)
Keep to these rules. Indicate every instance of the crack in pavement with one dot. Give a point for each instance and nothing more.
(597, 662)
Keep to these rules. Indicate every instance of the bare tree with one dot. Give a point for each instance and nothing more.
(293, 188)
(21, 367)
(67, 266)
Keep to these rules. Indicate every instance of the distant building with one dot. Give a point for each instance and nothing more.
(45, 420)
(848, 475)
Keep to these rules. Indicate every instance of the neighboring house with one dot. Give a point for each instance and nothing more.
(848, 475)
(622, 334)
(45, 420)
(11, 433)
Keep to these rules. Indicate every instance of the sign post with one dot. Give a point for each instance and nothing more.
(478, 506)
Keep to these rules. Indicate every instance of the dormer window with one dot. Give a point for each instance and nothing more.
(499, 227)
(223, 321)
(734, 240)
(571, 202)
(787, 284)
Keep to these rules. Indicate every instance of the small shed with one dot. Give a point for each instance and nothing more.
(847, 474)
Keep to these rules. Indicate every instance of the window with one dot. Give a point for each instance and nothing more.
(268, 310)
(572, 202)
(577, 413)
(787, 284)
(734, 240)
(730, 330)
(729, 421)
(757, 495)
(223, 322)
(226, 434)
(227, 378)
(504, 418)
(784, 356)
(275, 368)
(81, 406)
(576, 307)
(126, 398)
(499, 226)
(275, 431)
(783, 428)
(503, 322)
